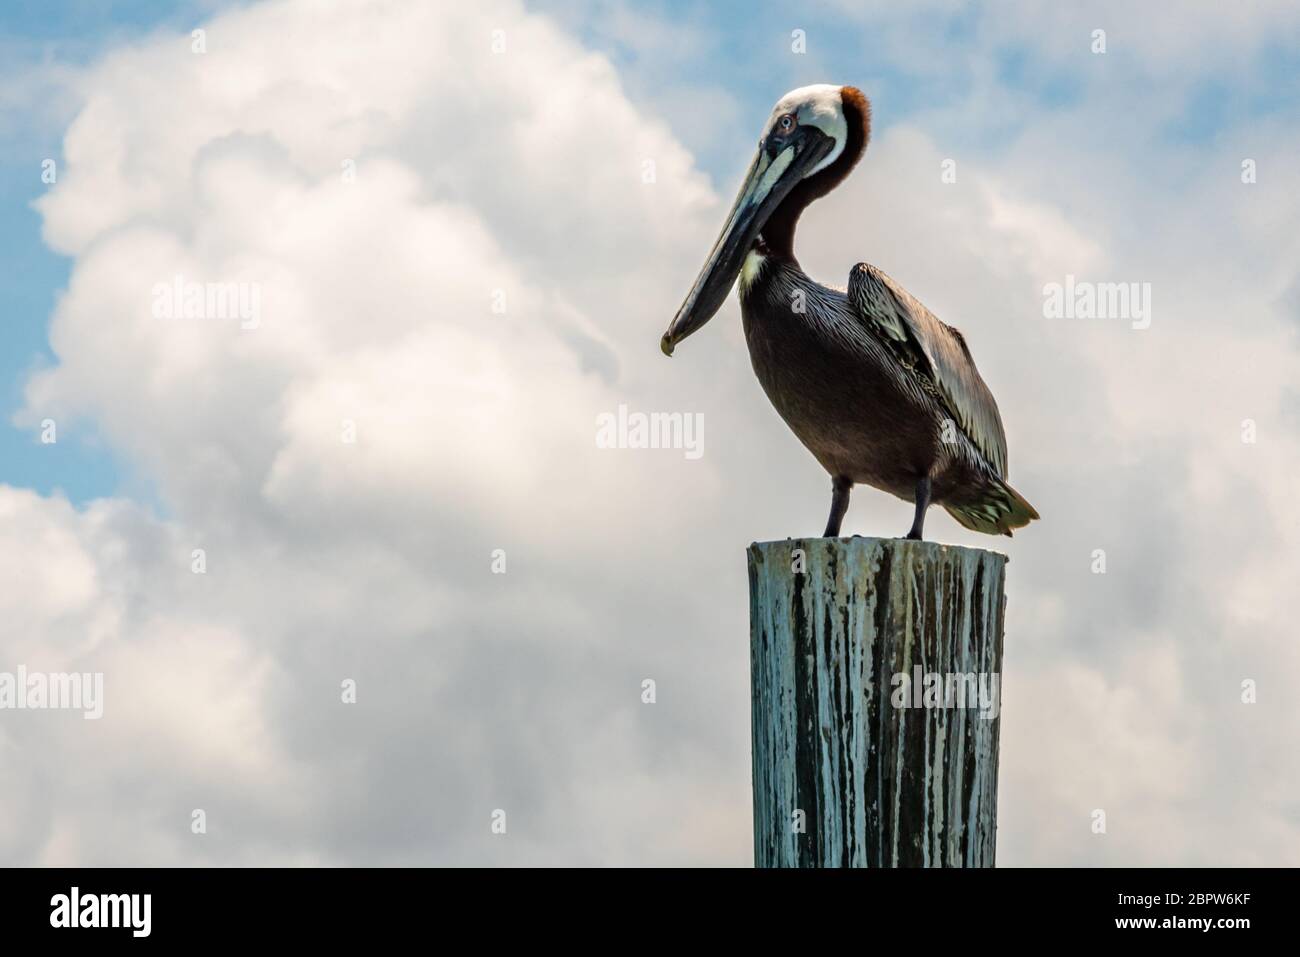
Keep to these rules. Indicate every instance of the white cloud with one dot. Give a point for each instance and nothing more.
(474, 430)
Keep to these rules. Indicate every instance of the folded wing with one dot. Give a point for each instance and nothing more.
(936, 353)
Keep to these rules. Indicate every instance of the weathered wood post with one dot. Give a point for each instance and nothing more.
(875, 667)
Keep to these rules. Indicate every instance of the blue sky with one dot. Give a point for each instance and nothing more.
(31, 34)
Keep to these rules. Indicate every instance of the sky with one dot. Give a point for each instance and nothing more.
(387, 476)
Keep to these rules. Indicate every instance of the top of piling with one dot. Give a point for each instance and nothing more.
(863, 546)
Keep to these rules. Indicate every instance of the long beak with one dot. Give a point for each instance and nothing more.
(770, 178)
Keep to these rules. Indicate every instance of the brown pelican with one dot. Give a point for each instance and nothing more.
(878, 389)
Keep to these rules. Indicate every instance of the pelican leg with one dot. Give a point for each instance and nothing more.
(922, 503)
(840, 488)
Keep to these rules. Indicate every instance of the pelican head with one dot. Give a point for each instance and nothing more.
(803, 138)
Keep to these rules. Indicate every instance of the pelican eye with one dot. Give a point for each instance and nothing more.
(786, 123)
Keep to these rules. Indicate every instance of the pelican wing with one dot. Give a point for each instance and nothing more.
(936, 353)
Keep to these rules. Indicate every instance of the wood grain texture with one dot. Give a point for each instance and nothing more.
(833, 622)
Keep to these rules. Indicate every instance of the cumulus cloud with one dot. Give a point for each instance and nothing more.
(461, 262)
(452, 262)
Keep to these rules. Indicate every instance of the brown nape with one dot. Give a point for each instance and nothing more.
(778, 232)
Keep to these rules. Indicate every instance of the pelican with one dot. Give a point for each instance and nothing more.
(870, 381)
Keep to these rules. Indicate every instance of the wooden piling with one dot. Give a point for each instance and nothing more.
(875, 669)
